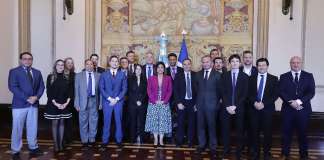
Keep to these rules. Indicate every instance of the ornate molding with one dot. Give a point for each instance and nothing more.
(24, 26)
(90, 23)
(262, 28)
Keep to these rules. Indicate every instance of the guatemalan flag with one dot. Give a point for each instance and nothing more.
(183, 52)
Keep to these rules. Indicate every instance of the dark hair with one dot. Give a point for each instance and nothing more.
(123, 58)
(25, 53)
(262, 60)
(94, 55)
(247, 52)
(160, 63)
(215, 49)
(172, 55)
(187, 59)
(129, 52)
(218, 58)
(85, 61)
(113, 56)
(234, 56)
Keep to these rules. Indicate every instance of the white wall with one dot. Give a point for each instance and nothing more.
(8, 45)
(70, 34)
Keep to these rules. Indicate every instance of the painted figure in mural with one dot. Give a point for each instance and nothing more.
(163, 41)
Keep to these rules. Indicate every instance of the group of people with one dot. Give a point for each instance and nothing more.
(153, 98)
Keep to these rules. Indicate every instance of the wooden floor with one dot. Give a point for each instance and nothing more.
(145, 151)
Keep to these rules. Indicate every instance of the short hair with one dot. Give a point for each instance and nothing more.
(205, 56)
(234, 56)
(220, 58)
(215, 49)
(262, 60)
(187, 59)
(25, 53)
(87, 60)
(172, 55)
(113, 56)
(129, 52)
(94, 55)
(247, 52)
(160, 63)
(123, 58)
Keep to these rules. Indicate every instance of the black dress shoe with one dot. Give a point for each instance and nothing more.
(199, 150)
(36, 152)
(103, 147)
(120, 145)
(91, 144)
(84, 146)
(16, 156)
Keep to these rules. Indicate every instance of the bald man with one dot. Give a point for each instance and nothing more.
(297, 88)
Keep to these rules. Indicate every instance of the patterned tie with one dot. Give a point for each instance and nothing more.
(233, 88)
(89, 89)
(188, 87)
(173, 72)
(29, 75)
(260, 89)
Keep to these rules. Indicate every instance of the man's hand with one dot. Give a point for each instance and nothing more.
(231, 109)
(293, 103)
(181, 106)
(32, 99)
(77, 108)
(139, 103)
(258, 105)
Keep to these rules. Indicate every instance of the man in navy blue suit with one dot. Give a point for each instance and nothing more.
(297, 88)
(27, 86)
(113, 87)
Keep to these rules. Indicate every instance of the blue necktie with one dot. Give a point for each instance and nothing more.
(149, 72)
(260, 89)
(89, 89)
(188, 87)
(233, 88)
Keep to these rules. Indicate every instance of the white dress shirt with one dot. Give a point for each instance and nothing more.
(247, 70)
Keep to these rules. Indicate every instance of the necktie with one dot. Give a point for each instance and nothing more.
(206, 75)
(188, 87)
(89, 89)
(29, 75)
(149, 73)
(260, 89)
(114, 74)
(296, 78)
(233, 88)
(173, 72)
(131, 68)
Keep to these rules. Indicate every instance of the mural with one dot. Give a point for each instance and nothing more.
(135, 24)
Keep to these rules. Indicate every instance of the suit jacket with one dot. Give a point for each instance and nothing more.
(80, 90)
(305, 90)
(270, 92)
(113, 87)
(254, 70)
(179, 87)
(144, 70)
(241, 88)
(129, 71)
(168, 71)
(137, 92)
(208, 93)
(153, 87)
(21, 88)
(99, 70)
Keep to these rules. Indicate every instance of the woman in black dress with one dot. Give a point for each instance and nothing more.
(137, 104)
(59, 91)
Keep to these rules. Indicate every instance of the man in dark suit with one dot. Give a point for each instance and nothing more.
(297, 88)
(234, 94)
(95, 58)
(173, 69)
(27, 86)
(113, 88)
(184, 93)
(149, 67)
(263, 92)
(207, 102)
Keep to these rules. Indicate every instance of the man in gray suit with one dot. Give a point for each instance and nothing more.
(208, 95)
(87, 102)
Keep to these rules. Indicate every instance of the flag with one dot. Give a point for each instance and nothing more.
(183, 52)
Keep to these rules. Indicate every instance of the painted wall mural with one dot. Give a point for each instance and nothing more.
(136, 24)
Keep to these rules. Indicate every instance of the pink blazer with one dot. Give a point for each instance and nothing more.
(152, 89)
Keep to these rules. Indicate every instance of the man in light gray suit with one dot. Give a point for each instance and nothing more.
(87, 102)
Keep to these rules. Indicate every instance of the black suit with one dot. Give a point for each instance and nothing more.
(168, 71)
(254, 71)
(144, 73)
(241, 93)
(207, 102)
(137, 113)
(99, 70)
(293, 119)
(261, 120)
(188, 113)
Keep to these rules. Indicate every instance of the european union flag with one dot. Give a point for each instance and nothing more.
(183, 52)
